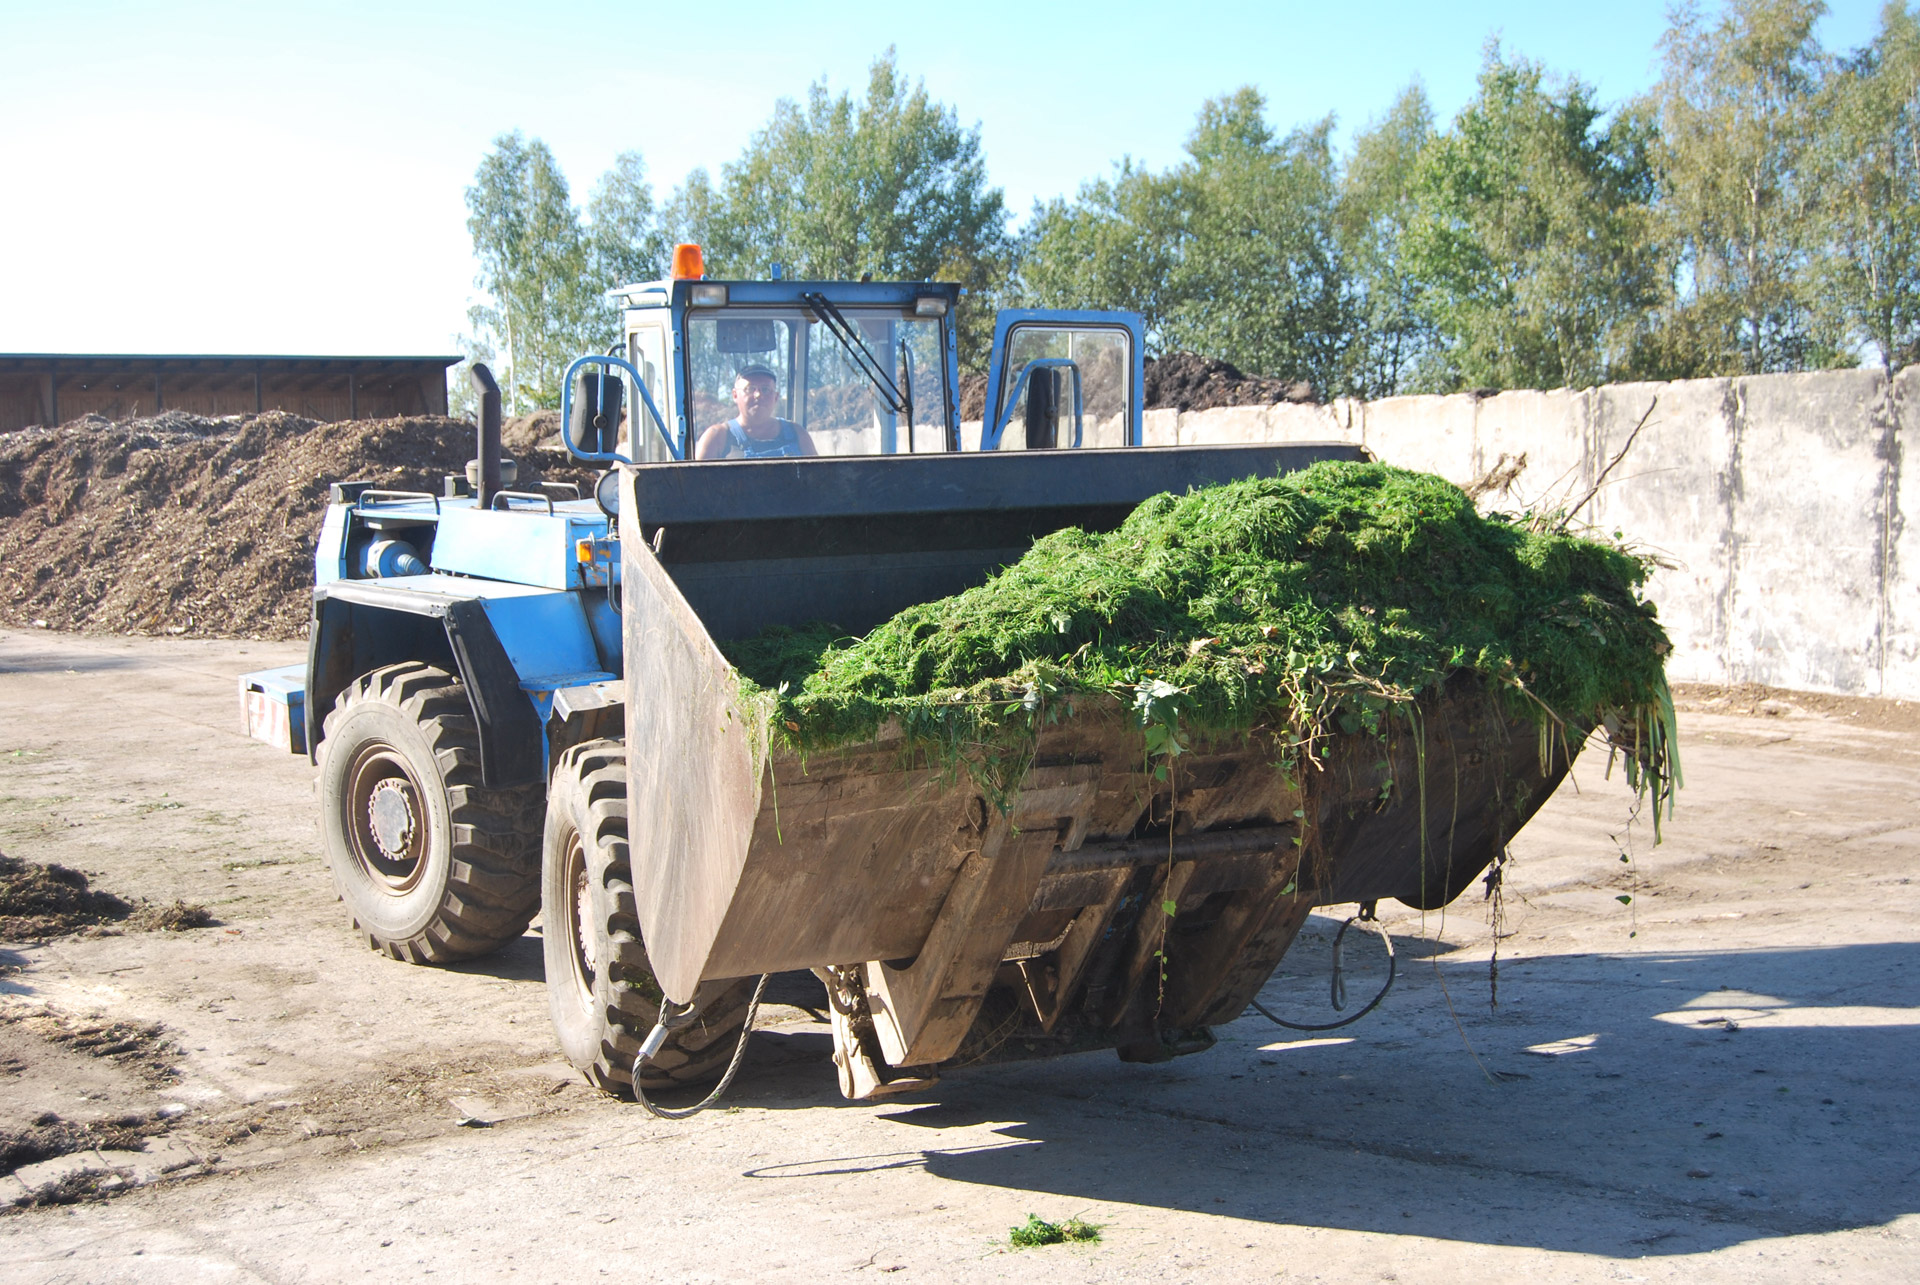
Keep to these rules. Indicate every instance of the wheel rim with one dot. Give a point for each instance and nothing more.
(578, 909)
(386, 822)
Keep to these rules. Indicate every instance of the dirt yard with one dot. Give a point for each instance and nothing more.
(1711, 1081)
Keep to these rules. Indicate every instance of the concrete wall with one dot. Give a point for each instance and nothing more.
(1774, 503)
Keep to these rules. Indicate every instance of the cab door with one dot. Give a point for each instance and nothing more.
(1061, 378)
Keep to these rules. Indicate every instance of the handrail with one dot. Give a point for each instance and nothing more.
(522, 495)
(571, 486)
(394, 497)
(1026, 373)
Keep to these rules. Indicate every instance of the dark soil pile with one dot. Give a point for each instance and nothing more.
(144, 1048)
(49, 1137)
(187, 525)
(1185, 381)
(39, 901)
(973, 397)
(50, 901)
(524, 434)
(1180, 381)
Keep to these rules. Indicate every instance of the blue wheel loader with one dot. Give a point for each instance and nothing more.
(517, 707)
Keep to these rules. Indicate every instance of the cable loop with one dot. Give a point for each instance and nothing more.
(675, 1022)
(1338, 985)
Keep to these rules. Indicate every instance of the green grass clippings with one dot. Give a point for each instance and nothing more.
(1316, 601)
(1038, 1231)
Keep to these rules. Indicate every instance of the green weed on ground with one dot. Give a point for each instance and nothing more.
(1037, 1231)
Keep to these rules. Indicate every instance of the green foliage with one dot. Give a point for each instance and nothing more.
(1759, 210)
(526, 236)
(1736, 111)
(1263, 283)
(1233, 252)
(1292, 602)
(1037, 1231)
(1376, 207)
(833, 188)
(625, 239)
(1529, 236)
(1111, 247)
(1865, 282)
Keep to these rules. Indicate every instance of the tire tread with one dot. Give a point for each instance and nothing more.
(493, 883)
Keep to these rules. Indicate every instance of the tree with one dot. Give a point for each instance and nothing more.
(1234, 252)
(540, 311)
(1115, 245)
(1261, 280)
(833, 188)
(1865, 278)
(1734, 106)
(626, 241)
(1530, 237)
(1376, 206)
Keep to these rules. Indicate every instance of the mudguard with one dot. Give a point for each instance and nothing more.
(361, 625)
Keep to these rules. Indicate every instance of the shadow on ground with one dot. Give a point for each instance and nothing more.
(1630, 1117)
(53, 661)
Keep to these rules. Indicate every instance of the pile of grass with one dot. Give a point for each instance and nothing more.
(1037, 1231)
(1311, 601)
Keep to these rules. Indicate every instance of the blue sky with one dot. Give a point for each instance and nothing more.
(288, 177)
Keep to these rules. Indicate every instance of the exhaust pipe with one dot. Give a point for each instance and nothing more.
(489, 480)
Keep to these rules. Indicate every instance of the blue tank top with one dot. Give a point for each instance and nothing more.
(787, 444)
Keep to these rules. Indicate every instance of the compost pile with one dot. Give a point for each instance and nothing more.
(1186, 381)
(188, 525)
(1294, 602)
(39, 901)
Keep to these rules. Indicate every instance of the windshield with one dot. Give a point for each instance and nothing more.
(824, 390)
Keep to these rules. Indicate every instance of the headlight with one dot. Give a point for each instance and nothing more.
(707, 295)
(930, 305)
(606, 493)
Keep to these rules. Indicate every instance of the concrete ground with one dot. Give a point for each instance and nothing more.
(1711, 1082)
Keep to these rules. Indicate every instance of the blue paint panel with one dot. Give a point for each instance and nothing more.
(330, 555)
(604, 621)
(545, 636)
(525, 545)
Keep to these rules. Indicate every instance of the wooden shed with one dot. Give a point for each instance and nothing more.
(52, 388)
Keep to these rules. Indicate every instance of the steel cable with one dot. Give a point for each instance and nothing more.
(1339, 984)
(739, 1052)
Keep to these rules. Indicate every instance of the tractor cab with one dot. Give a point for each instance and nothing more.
(856, 368)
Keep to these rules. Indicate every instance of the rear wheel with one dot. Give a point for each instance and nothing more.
(600, 987)
(433, 866)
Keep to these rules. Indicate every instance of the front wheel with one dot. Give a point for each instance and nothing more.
(433, 866)
(600, 986)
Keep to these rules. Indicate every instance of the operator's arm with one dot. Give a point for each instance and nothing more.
(806, 441)
(713, 444)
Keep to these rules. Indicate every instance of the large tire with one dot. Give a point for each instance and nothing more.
(600, 986)
(433, 866)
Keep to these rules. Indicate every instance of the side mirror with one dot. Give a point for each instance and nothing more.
(598, 399)
(1043, 410)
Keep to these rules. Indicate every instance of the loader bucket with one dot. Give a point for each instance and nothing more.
(968, 922)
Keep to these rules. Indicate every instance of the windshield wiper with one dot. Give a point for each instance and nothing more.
(900, 403)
